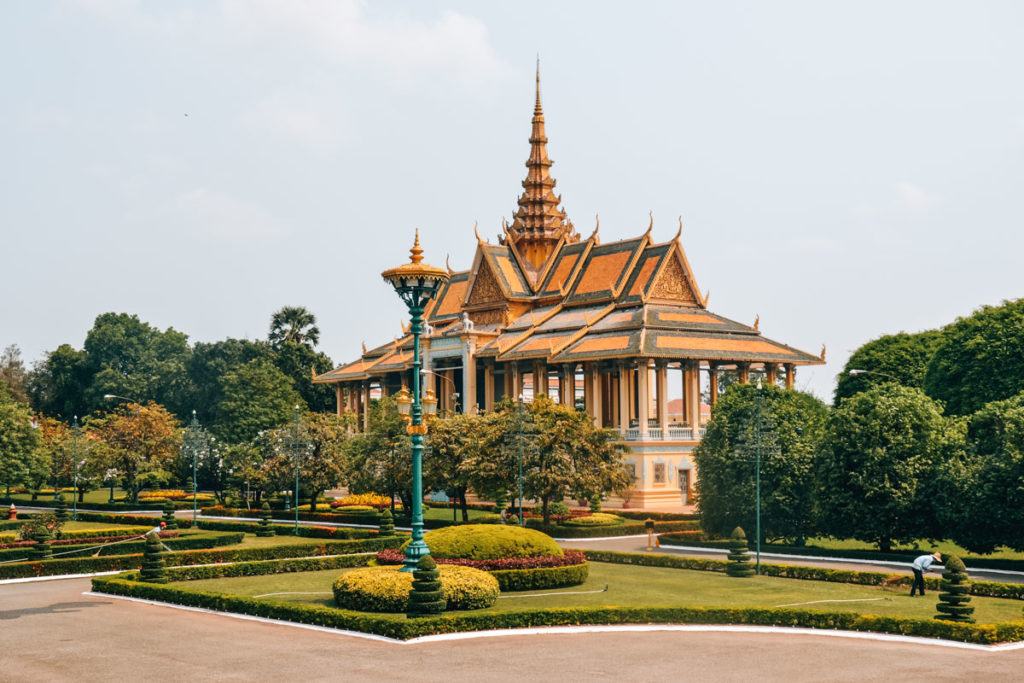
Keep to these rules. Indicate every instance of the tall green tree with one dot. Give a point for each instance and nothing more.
(299, 362)
(882, 447)
(256, 397)
(564, 454)
(991, 494)
(453, 442)
(57, 384)
(13, 373)
(20, 442)
(901, 357)
(980, 359)
(207, 366)
(294, 324)
(380, 459)
(322, 456)
(792, 428)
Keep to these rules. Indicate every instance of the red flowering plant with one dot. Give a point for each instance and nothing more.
(572, 557)
(28, 530)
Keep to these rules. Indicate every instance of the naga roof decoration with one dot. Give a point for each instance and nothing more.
(543, 293)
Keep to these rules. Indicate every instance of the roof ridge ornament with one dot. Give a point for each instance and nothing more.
(364, 348)
(448, 265)
(680, 231)
(651, 226)
(480, 240)
(757, 322)
(823, 352)
(597, 227)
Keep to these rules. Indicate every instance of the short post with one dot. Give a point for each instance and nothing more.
(12, 513)
(649, 525)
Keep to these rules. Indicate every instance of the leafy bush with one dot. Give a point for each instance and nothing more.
(541, 578)
(385, 589)
(559, 508)
(265, 528)
(739, 558)
(596, 519)
(387, 524)
(29, 529)
(350, 508)
(375, 500)
(489, 542)
(154, 568)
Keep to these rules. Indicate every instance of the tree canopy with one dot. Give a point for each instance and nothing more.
(295, 325)
(256, 396)
(792, 427)
(20, 443)
(898, 357)
(980, 359)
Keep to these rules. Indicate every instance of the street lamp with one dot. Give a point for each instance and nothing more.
(522, 521)
(76, 430)
(127, 400)
(297, 424)
(194, 444)
(856, 371)
(455, 394)
(758, 531)
(416, 284)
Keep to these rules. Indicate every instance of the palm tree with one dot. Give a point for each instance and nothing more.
(293, 324)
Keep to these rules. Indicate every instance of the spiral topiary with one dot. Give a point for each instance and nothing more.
(739, 558)
(168, 517)
(265, 529)
(387, 524)
(61, 510)
(190, 486)
(41, 550)
(154, 569)
(426, 597)
(952, 605)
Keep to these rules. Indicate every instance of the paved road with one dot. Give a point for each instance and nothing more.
(52, 632)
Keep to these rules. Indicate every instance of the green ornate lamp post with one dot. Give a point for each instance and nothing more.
(77, 431)
(298, 425)
(758, 485)
(416, 283)
(193, 429)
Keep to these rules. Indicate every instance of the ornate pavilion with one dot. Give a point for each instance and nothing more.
(606, 327)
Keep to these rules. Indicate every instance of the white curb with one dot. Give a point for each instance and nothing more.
(570, 630)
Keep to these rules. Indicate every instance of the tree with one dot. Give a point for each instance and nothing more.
(13, 374)
(256, 397)
(144, 441)
(298, 362)
(565, 455)
(979, 359)
(881, 448)
(20, 444)
(207, 366)
(322, 454)
(991, 491)
(452, 442)
(380, 459)
(57, 384)
(792, 427)
(902, 356)
(293, 324)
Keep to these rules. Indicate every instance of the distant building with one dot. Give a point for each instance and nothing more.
(598, 325)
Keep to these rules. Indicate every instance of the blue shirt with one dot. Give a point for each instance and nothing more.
(924, 563)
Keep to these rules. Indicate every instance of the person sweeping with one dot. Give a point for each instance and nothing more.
(921, 565)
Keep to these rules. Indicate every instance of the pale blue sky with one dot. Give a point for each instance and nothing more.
(843, 171)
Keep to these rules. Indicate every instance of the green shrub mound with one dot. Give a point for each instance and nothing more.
(739, 558)
(426, 596)
(387, 524)
(385, 589)
(41, 550)
(955, 595)
(62, 509)
(168, 517)
(596, 519)
(489, 542)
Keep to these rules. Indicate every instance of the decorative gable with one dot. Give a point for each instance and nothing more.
(486, 289)
(674, 284)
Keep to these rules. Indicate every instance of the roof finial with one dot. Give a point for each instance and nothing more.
(537, 108)
(479, 240)
(651, 226)
(678, 234)
(597, 218)
(416, 251)
(757, 322)
(447, 265)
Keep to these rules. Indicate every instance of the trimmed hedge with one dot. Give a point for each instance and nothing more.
(264, 567)
(41, 502)
(86, 565)
(386, 589)
(197, 541)
(108, 518)
(991, 589)
(288, 530)
(601, 519)
(625, 529)
(541, 578)
(489, 542)
(404, 629)
(367, 517)
(64, 542)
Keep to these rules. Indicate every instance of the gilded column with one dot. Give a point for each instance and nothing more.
(790, 376)
(366, 406)
(693, 395)
(623, 398)
(338, 400)
(489, 386)
(469, 403)
(743, 369)
(596, 402)
(713, 383)
(770, 370)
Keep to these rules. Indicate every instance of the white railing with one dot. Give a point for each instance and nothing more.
(657, 434)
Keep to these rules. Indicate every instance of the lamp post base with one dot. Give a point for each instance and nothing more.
(413, 554)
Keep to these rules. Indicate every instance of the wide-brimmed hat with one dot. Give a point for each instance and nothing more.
(937, 555)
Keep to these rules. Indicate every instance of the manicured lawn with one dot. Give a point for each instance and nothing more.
(654, 586)
(445, 514)
(254, 541)
(921, 545)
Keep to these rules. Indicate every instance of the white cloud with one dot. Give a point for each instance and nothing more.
(222, 217)
(914, 198)
(340, 29)
(306, 125)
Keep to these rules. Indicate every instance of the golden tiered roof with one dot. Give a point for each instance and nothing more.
(542, 293)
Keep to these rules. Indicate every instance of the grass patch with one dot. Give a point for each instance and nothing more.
(631, 586)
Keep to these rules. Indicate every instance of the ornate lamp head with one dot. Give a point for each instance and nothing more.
(416, 282)
(429, 403)
(404, 401)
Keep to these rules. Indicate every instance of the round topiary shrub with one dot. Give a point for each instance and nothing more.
(558, 508)
(426, 597)
(739, 558)
(952, 605)
(489, 542)
(387, 524)
(596, 519)
(265, 528)
(385, 589)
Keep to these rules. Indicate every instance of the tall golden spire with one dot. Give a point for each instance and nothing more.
(539, 223)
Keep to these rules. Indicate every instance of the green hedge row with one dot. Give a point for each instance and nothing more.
(972, 561)
(628, 529)
(87, 565)
(108, 518)
(26, 500)
(541, 578)
(367, 517)
(197, 541)
(452, 622)
(289, 530)
(263, 567)
(991, 589)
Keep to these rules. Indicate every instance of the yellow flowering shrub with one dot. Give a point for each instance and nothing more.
(596, 519)
(489, 542)
(386, 589)
(371, 499)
